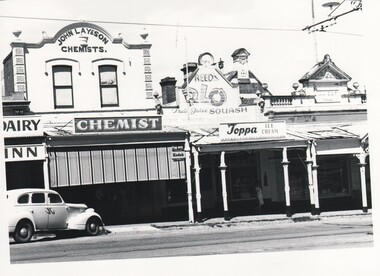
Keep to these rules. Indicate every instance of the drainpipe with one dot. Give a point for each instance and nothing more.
(46, 169)
(188, 180)
(285, 164)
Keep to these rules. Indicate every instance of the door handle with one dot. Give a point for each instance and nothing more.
(47, 210)
(52, 211)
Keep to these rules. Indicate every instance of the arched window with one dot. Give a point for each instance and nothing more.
(108, 85)
(63, 86)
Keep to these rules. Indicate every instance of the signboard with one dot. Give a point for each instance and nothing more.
(22, 126)
(83, 40)
(24, 153)
(117, 124)
(328, 96)
(178, 154)
(252, 131)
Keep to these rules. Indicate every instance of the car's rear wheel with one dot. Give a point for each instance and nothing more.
(24, 232)
(93, 226)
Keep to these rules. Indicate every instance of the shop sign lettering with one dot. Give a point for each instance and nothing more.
(83, 36)
(22, 126)
(24, 153)
(118, 124)
(252, 131)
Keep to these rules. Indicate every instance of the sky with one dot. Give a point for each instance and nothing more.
(271, 30)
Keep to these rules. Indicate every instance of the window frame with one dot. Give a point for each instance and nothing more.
(101, 86)
(56, 87)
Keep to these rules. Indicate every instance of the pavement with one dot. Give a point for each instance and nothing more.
(215, 222)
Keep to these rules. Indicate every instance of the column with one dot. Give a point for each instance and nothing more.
(198, 195)
(285, 164)
(309, 163)
(188, 181)
(223, 168)
(315, 177)
(362, 156)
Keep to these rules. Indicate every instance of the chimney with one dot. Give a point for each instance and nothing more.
(191, 67)
(168, 90)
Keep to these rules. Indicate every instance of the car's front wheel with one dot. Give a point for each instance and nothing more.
(24, 232)
(93, 226)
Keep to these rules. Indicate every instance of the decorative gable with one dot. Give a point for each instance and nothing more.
(325, 71)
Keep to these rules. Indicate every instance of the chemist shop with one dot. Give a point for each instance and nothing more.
(125, 167)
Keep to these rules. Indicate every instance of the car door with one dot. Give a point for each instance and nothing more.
(58, 212)
(39, 210)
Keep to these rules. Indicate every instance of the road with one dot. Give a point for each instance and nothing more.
(345, 232)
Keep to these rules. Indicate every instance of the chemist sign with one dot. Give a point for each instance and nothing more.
(252, 131)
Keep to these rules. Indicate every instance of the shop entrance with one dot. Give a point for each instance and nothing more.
(24, 174)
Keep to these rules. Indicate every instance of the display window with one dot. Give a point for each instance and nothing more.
(243, 175)
(333, 176)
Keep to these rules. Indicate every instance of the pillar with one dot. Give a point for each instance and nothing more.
(285, 164)
(362, 156)
(309, 163)
(315, 177)
(198, 195)
(188, 181)
(223, 168)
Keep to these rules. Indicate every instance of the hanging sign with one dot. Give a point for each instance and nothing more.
(252, 131)
(178, 154)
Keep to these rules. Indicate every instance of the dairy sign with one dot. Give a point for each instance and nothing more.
(117, 124)
(23, 126)
(83, 40)
(252, 131)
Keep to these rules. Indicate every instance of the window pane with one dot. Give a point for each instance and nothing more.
(62, 76)
(23, 199)
(38, 198)
(54, 198)
(107, 75)
(64, 97)
(109, 95)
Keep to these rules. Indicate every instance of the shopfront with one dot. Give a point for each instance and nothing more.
(121, 166)
(25, 152)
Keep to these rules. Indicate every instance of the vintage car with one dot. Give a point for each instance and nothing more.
(39, 210)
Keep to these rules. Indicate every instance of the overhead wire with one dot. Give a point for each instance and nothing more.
(160, 24)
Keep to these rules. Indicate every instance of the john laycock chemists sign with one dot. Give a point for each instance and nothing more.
(252, 131)
(83, 40)
(117, 124)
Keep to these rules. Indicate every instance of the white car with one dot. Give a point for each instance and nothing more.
(39, 210)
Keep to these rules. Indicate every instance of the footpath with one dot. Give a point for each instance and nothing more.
(220, 222)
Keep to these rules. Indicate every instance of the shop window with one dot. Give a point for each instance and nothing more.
(243, 175)
(333, 176)
(108, 85)
(63, 86)
(176, 192)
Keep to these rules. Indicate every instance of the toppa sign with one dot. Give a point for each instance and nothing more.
(252, 131)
